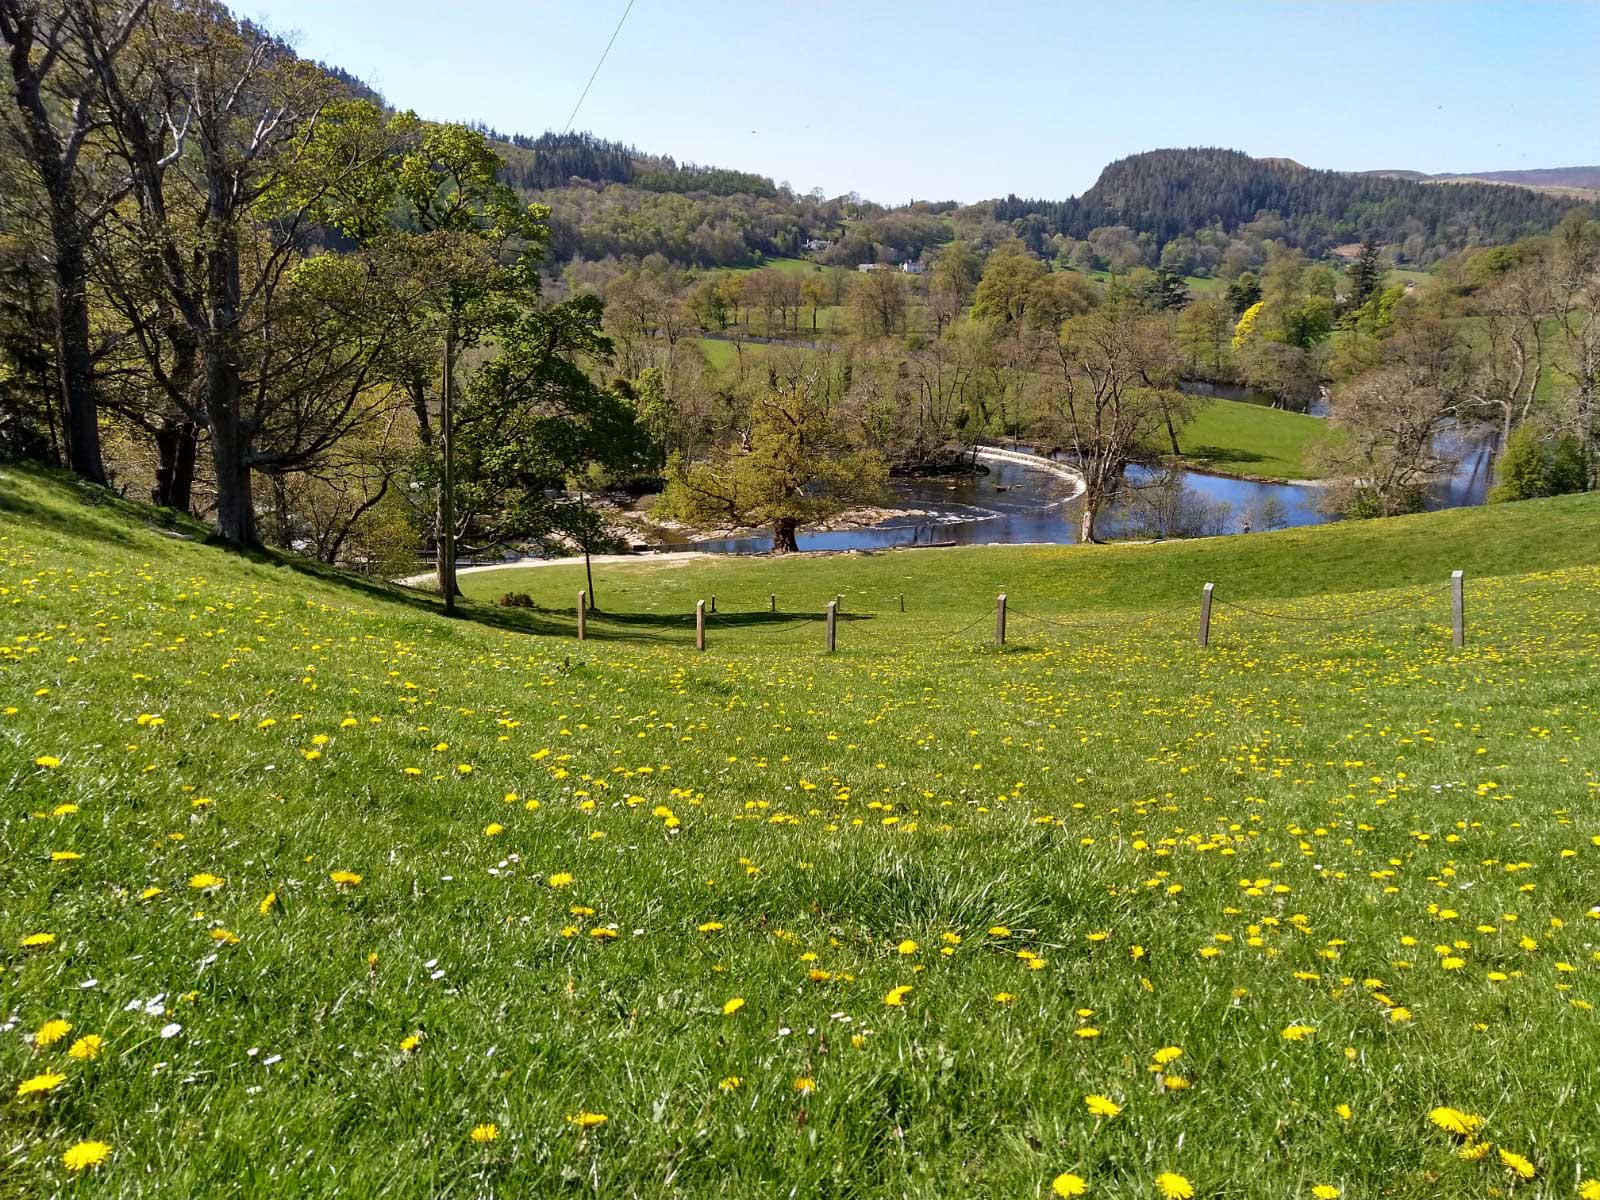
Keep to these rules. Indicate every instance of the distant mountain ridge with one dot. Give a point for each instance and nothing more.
(1171, 193)
(1583, 182)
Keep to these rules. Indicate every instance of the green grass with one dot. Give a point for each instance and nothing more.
(1237, 438)
(792, 265)
(1297, 827)
(720, 353)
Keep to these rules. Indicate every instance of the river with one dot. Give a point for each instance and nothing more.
(1014, 503)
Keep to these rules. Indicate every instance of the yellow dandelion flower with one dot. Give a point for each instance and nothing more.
(485, 1133)
(34, 941)
(267, 903)
(410, 1043)
(1516, 1164)
(493, 829)
(205, 880)
(52, 1032)
(345, 879)
(39, 1084)
(1453, 1120)
(1173, 1186)
(1297, 1033)
(1589, 1189)
(1004, 997)
(1068, 1184)
(588, 1120)
(1167, 1054)
(89, 1046)
(907, 947)
(805, 1085)
(1325, 1191)
(1102, 1106)
(560, 879)
(48, 761)
(896, 996)
(80, 1156)
(733, 1006)
(730, 1084)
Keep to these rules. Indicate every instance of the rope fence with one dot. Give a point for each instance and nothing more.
(1001, 611)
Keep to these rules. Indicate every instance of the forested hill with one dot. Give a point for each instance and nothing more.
(1169, 193)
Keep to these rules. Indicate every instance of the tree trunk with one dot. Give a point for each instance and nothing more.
(445, 567)
(1086, 524)
(783, 536)
(74, 385)
(230, 451)
(80, 415)
(1172, 435)
(175, 449)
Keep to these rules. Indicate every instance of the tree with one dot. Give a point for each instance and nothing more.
(800, 466)
(1535, 463)
(955, 274)
(1202, 332)
(1110, 395)
(1388, 420)
(1577, 306)
(534, 419)
(472, 246)
(1244, 292)
(235, 152)
(1006, 291)
(58, 106)
(1365, 275)
(1163, 291)
(1516, 356)
(878, 301)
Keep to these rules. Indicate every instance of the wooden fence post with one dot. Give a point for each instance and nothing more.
(583, 612)
(713, 602)
(1000, 620)
(1458, 608)
(902, 602)
(699, 624)
(1205, 614)
(772, 601)
(833, 615)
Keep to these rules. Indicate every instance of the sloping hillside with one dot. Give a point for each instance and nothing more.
(308, 891)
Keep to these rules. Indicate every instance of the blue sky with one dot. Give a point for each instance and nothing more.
(965, 101)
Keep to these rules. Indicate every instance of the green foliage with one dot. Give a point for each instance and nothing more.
(1365, 275)
(534, 418)
(1534, 463)
(800, 466)
(1244, 292)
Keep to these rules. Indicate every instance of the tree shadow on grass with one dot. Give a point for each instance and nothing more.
(1224, 454)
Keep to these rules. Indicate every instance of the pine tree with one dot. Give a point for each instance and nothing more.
(1365, 275)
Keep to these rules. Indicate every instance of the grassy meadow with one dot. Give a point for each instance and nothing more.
(1238, 438)
(309, 890)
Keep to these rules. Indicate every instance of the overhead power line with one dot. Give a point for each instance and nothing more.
(598, 65)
